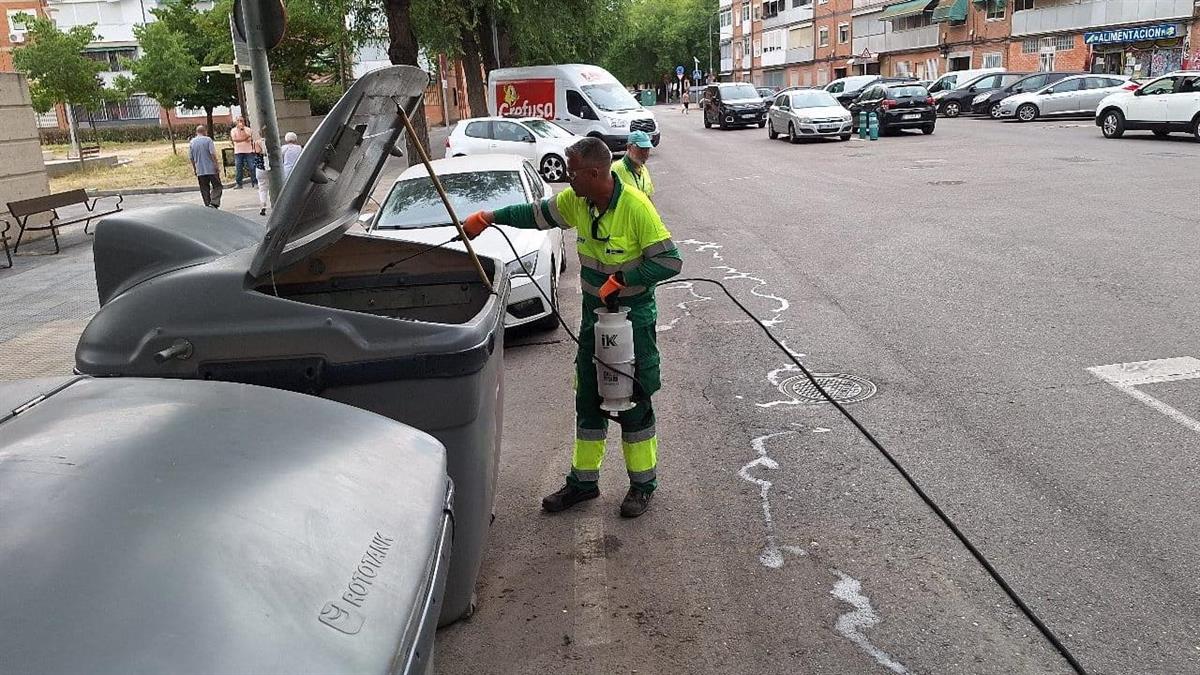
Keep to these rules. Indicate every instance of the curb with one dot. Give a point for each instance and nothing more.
(165, 190)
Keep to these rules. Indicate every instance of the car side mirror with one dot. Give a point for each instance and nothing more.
(1049, 91)
(973, 89)
(528, 139)
(1139, 92)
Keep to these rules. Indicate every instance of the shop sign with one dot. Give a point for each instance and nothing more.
(1161, 31)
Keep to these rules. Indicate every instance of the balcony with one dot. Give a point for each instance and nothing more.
(897, 41)
(789, 17)
(1076, 16)
(774, 57)
(799, 55)
(726, 65)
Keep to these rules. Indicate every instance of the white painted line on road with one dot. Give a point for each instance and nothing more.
(1128, 376)
(690, 287)
(851, 624)
(591, 583)
(772, 553)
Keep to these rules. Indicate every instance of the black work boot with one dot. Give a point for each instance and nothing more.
(635, 503)
(569, 495)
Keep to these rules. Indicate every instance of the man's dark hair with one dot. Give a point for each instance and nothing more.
(590, 152)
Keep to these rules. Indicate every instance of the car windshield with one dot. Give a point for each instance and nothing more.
(814, 99)
(546, 129)
(738, 92)
(907, 92)
(610, 97)
(415, 203)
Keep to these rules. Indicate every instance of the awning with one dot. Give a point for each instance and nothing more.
(950, 11)
(903, 9)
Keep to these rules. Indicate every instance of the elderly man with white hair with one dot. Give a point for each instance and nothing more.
(291, 152)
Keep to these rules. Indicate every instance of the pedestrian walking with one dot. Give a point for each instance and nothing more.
(243, 153)
(291, 152)
(262, 165)
(631, 168)
(202, 153)
(624, 251)
(686, 99)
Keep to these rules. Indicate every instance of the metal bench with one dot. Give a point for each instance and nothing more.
(4, 242)
(24, 208)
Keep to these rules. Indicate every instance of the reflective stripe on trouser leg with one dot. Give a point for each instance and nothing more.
(639, 441)
(591, 425)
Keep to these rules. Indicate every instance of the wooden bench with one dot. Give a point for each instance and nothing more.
(89, 150)
(4, 242)
(24, 208)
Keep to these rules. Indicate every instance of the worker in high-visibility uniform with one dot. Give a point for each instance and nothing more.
(624, 251)
(631, 168)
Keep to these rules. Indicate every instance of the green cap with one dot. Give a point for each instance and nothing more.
(640, 139)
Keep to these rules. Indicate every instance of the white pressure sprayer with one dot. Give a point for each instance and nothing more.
(614, 347)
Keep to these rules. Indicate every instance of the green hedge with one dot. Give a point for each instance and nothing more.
(118, 134)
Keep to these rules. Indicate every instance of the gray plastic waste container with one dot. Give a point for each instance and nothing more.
(166, 526)
(189, 292)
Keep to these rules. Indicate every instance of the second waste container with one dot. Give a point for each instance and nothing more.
(397, 328)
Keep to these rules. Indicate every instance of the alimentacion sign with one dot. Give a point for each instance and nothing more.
(1160, 31)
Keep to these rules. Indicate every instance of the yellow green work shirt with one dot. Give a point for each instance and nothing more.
(640, 180)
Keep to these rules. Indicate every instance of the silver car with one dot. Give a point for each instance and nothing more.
(1077, 95)
(808, 113)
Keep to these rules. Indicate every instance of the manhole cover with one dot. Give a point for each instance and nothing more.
(1076, 160)
(842, 387)
(947, 182)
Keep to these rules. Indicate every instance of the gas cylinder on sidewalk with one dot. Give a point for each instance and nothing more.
(614, 346)
(862, 124)
(873, 123)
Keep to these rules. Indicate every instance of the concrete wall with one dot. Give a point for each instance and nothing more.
(22, 173)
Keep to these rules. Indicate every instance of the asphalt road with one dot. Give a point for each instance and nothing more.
(973, 276)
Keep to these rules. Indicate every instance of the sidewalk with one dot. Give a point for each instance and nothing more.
(47, 300)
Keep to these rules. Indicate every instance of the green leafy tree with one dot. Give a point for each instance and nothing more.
(58, 72)
(166, 71)
(205, 35)
(656, 36)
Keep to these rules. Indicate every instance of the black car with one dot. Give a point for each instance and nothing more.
(898, 105)
(990, 105)
(733, 104)
(846, 89)
(957, 101)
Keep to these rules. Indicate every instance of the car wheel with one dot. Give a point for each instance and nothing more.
(707, 124)
(771, 133)
(1196, 128)
(550, 321)
(927, 129)
(1028, 112)
(951, 109)
(553, 169)
(994, 111)
(762, 124)
(1162, 133)
(792, 135)
(1112, 125)
(844, 137)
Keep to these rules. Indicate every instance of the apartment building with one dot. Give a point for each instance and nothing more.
(812, 42)
(12, 29)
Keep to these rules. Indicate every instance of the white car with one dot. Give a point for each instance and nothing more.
(541, 142)
(413, 211)
(1170, 103)
(1078, 95)
(808, 113)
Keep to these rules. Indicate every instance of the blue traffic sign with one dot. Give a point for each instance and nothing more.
(696, 74)
(678, 71)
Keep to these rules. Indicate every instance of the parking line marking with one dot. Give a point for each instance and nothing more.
(591, 583)
(1128, 376)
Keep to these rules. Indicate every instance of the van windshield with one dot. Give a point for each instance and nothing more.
(739, 92)
(610, 97)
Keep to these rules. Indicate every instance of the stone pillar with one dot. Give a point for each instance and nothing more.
(22, 171)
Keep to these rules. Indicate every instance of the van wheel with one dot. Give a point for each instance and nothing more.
(1112, 125)
(1028, 112)
(553, 168)
(771, 133)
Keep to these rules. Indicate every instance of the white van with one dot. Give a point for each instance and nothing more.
(584, 99)
(953, 78)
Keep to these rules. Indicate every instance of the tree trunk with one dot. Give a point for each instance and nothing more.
(402, 51)
(476, 91)
(508, 58)
(73, 126)
(487, 46)
(171, 130)
(208, 111)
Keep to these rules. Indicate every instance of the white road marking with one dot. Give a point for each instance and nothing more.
(772, 553)
(851, 624)
(690, 287)
(1128, 376)
(591, 583)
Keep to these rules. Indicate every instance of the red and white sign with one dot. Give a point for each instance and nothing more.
(526, 98)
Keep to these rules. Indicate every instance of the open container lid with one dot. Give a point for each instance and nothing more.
(338, 169)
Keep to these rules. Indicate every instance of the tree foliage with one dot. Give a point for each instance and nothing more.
(205, 36)
(655, 36)
(166, 71)
(57, 70)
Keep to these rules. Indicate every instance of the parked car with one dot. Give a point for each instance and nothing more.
(812, 113)
(1170, 103)
(952, 79)
(898, 105)
(958, 100)
(988, 103)
(767, 93)
(541, 142)
(733, 104)
(846, 89)
(413, 211)
(1078, 95)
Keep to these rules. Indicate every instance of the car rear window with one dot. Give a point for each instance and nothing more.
(907, 92)
(415, 203)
